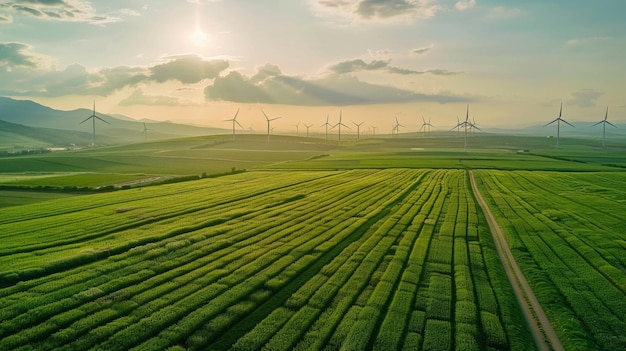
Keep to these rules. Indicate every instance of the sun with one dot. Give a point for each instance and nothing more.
(199, 38)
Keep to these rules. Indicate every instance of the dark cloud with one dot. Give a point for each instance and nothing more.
(356, 65)
(384, 8)
(334, 90)
(188, 69)
(58, 10)
(16, 55)
(23, 79)
(585, 98)
(378, 10)
(265, 71)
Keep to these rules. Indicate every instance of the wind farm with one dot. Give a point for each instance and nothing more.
(220, 201)
(383, 186)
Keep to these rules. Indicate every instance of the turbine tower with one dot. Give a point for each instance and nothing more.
(297, 125)
(339, 124)
(604, 123)
(234, 120)
(268, 124)
(465, 124)
(326, 125)
(93, 118)
(396, 128)
(358, 129)
(558, 121)
(145, 131)
(426, 124)
(307, 126)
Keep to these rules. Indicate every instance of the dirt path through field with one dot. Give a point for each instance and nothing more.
(543, 333)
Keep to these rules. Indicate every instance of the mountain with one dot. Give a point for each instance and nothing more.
(121, 129)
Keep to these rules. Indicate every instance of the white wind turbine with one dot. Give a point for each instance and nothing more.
(604, 123)
(326, 125)
(358, 129)
(558, 121)
(339, 124)
(268, 124)
(234, 120)
(93, 118)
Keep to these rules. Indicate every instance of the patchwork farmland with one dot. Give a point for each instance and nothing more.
(379, 259)
(346, 259)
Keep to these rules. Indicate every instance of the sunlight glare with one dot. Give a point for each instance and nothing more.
(199, 38)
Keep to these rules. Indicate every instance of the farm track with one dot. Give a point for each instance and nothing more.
(543, 333)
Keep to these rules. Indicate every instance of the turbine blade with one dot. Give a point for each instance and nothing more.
(86, 119)
(611, 124)
(606, 115)
(239, 124)
(566, 122)
(267, 118)
(561, 109)
(547, 124)
(602, 121)
(102, 120)
(236, 114)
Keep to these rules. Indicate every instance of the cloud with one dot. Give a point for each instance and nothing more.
(13, 55)
(188, 69)
(376, 10)
(331, 90)
(138, 97)
(463, 5)
(351, 66)
(5, 19)
(585, 98)
(421, 50)
(265, 71)
(58, 10)
(25, 77)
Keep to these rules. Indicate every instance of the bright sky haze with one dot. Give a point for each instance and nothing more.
(198, 61)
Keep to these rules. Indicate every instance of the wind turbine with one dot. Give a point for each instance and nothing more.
(466, 124)
(604, 123)
(307, 129)
(358, 129)
(426, 124)
(234, 120)
(558, 121)
(339, 124)
(373, 130)
(297, 125)
(326, 124)
(268, 124)
(93, 118)
(145, 131)
(397, 127)
(458, 124)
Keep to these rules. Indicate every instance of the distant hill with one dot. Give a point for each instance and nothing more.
(17, 135)
(121, 129)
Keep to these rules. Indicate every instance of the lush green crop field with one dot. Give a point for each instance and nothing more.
(360, 259)
(568, 233)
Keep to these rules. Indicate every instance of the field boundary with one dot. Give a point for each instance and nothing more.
(544, 335)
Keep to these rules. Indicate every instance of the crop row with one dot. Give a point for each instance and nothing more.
(361, 259)
(567, 233)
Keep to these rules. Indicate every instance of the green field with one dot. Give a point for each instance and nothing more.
(370, 245)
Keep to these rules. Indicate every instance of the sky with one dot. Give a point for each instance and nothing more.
(373, 61)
